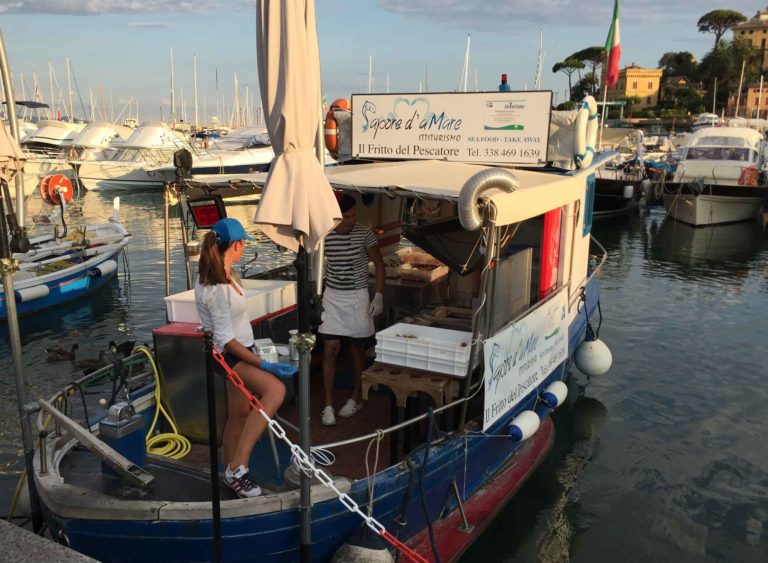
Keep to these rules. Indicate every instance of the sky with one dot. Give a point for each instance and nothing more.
(120, 49)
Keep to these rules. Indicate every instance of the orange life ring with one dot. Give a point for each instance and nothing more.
(55, 187)
(331, 133)
(332, 127)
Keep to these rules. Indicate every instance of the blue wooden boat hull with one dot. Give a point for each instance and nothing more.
(275, 536)
(67, 288)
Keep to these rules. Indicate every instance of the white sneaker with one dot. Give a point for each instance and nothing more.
(241, 481)
(350, 408)
(329, 418)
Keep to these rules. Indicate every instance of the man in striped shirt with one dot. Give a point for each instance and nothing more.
(347, 310)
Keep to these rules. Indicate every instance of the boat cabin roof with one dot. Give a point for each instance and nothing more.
(725, 136)
(538, 192)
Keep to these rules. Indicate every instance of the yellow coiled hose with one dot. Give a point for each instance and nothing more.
(170, 444)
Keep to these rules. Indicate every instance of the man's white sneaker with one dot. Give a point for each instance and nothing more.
(350, 408)
(241, 481)
(329, 418)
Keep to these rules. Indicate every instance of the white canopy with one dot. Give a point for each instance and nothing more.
(538, 192)
(298, 206)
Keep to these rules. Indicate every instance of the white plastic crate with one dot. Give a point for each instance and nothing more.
(424, 347)
(262, 298)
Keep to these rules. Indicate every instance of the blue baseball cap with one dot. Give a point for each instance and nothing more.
(230, 230)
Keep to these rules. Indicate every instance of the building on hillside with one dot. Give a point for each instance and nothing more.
(636, 82)
(750, 104)
(755, 30)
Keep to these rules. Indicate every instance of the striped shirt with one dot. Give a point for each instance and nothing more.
(347, 258)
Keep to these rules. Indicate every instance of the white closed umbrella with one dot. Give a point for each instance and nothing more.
(297, 207)
(11, 157)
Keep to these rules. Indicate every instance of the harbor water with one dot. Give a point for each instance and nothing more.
(663, 458)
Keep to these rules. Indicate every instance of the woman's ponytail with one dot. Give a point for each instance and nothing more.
(211, 267)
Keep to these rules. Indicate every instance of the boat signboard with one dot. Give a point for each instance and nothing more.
(522, 355)
(483, 127)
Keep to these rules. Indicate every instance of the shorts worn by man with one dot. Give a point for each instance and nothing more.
(347, 310)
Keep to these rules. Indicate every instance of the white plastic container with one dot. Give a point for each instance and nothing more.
(262, 298)
(424, 347)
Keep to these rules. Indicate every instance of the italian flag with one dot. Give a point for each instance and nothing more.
(613, 49)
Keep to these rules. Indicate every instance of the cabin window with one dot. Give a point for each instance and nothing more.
(718, 153)
(589, 205)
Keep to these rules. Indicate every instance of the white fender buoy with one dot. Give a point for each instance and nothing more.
(30, 293)
(103, 269)
(523, 426)
(554, 394)
(647, 186)
(629, 191)
(593, 357)
(501, 178)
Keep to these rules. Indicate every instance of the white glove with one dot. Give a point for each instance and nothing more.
(377, 305)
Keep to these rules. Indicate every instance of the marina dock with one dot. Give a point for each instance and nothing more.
(21, 545)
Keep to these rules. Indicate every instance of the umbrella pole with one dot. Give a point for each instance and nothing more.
(7, 267)
(14, 126)
(305, 344)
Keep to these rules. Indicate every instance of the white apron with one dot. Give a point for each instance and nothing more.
(345, 313)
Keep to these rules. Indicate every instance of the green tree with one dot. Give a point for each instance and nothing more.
(586, 86)
(568, 67)
(720, 21)
(591, 55)
(681, 63)
(724, 62)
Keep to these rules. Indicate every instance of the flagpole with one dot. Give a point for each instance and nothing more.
(602, 117)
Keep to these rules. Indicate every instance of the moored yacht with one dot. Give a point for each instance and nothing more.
(720, 178)
(146, 160)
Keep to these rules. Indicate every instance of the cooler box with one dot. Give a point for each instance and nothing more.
(424, 347)
(263, 298)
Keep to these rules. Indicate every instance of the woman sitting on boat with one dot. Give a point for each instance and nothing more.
(221, 303)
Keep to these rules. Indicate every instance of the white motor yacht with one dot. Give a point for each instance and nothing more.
(146, 160)
(720, 177)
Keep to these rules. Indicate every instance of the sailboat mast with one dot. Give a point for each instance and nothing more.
(714, 95)
(465, 70)
(741, 81)
(50, 83)
(173, 93)
(370, 73)
(69, 91)
(539, 62)
(194, 77)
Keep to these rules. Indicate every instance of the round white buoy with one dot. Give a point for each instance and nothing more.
(103, 402)
(363, 547)
(554, 394)
(523, 426)
(593, 357)
(629, 191)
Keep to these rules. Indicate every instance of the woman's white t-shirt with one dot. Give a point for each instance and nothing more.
(223, 311)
